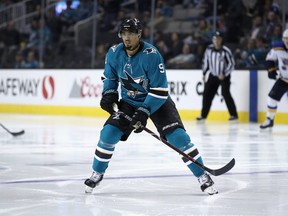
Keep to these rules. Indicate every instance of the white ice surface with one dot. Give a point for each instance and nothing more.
(42, 172)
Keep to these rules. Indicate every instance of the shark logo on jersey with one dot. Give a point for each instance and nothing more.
(150, 50)
(133, 85)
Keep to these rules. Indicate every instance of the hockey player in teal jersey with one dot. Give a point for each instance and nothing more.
(139, 69)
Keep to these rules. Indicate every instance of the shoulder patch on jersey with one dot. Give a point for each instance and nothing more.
(114, 47)
(150, 50)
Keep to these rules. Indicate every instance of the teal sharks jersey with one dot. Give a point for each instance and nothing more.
(142, 77)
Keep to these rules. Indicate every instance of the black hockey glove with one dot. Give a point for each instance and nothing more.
(108, 100)
(139, 119)
(272, 75)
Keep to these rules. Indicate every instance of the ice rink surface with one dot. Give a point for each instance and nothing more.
(42, 172)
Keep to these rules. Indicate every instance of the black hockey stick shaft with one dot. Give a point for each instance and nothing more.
(12, 133)
(215, 172)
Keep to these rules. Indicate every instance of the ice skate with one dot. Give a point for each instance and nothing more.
(206, 184)
(233, 119)
(93, 181)
(200, 119)
(267, 124)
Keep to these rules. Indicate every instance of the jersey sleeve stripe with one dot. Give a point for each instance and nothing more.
(159, 92)
(158, 96)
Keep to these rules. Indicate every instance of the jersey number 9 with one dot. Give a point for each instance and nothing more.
(161, 68)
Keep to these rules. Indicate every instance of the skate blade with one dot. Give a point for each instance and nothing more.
(211, 191)
(269, 129)
(88, 190)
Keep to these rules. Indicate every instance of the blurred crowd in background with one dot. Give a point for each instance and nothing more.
(77, 33)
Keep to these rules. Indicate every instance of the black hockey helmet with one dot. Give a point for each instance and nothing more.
(218, 34)
(132, 25)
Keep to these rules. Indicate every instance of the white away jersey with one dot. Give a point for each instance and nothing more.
(279, 53)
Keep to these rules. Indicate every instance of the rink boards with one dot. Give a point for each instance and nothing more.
(78, 92)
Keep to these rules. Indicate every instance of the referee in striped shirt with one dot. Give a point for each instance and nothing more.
(219, 63)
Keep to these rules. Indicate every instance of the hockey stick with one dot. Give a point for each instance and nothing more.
(12, 133)
(215, 172)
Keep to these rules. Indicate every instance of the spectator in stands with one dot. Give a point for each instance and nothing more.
(111, 8)
(162, 46)
(271, 21)
(10, 37)
(146, 16)
(19, 60)
(158, 20)
(256, 27)
(54, 25)
(101, 50)
(242, 55)
(5, 3)
(38, 12)
(33, 36)
(145, 6)
(253, 8)
(188, 3)
(69, 16)
(146, 34)
(248, 14)
(204, 32)
(163, 49)
(175, 43)
(31, 61)
(221, 23)
(165, 8)
(84, 9)
(206, 6)
(276, 36)
(258, 55)
(40, 35)
(203, 35)
(234, 21)
(194, 42)
(183, 60)
(117, 22)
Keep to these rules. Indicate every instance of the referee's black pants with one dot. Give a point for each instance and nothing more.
(210, 90)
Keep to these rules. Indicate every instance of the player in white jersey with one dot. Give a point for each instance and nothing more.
(277, 67)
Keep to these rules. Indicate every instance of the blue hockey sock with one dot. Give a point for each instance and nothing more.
(181, 140)
(109, 136)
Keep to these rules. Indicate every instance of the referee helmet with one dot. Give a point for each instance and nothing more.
(217, 34)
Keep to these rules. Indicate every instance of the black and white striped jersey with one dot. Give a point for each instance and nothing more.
(218, 62)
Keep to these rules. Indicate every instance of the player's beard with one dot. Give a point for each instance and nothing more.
(131, 48)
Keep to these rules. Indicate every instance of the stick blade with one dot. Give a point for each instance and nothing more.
(12, 133)
(18, 133)
(222, 170)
